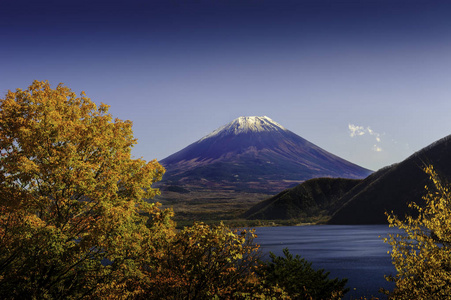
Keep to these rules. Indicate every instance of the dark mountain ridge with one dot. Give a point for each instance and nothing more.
(393, 187)
(364, 201)
(314, 198)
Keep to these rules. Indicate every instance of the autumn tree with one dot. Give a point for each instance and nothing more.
(205, 262)
(71, 197)
(422, 252)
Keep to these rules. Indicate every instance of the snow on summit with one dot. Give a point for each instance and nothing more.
(246, 125)
(254, 153)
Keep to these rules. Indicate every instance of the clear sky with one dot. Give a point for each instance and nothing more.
(367, 80)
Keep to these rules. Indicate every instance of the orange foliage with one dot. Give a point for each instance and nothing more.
(70, 194)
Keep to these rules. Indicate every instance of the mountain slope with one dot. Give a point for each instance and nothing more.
(313, 198)
(254, 154)
(393, 187)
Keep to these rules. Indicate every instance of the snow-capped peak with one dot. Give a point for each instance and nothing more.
(245, 125)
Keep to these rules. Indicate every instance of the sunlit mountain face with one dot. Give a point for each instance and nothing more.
(254, 154)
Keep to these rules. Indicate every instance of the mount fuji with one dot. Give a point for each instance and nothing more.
(254, 154)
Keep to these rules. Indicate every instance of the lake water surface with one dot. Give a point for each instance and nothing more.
(356, 252)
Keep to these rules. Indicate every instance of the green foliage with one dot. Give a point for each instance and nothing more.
(422, 254)
(297, 277)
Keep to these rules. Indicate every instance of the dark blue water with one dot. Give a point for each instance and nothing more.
(355, 252)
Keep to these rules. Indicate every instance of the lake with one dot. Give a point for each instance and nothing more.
(355, 252)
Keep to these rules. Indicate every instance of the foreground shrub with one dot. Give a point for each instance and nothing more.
(299, 280)
(204, 262)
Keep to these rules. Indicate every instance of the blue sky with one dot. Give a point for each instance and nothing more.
(367, 80)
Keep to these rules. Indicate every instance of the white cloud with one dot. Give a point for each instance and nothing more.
(377, 148)
(372, 132)
(356, 130)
